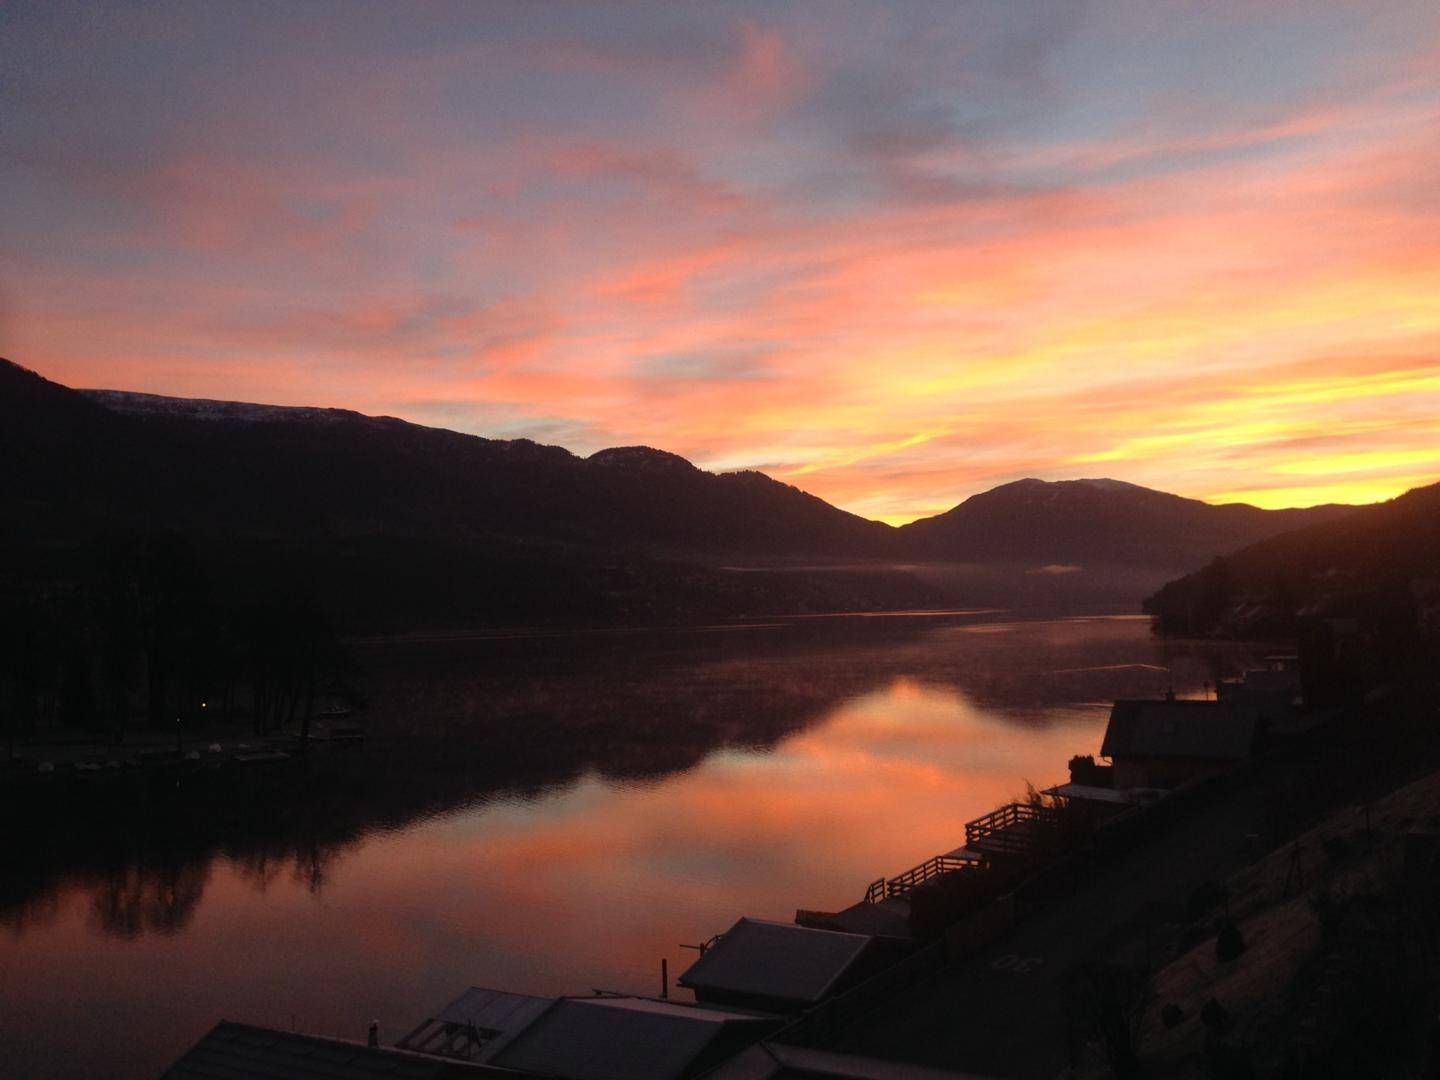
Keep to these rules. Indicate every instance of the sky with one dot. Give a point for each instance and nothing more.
(894, 254)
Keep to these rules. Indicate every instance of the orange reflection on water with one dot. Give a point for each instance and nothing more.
(605, 879)
(583, 885)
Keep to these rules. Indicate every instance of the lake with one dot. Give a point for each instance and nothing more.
(547, 813)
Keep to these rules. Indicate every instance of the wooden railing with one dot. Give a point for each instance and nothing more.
(900, 884)
(984, 834)
(1010, 815)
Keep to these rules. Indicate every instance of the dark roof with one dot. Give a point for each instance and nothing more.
(777, 1061)
(1180, 729)
(606, 1038)
(233, 1051)
(776, 960)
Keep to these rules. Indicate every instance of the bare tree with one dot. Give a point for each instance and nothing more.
(1107, 1004)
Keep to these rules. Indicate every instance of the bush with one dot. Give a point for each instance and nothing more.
(1215, 1016)
(1230, 943)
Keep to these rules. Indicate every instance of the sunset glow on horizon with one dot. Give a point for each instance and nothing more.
(893, 255)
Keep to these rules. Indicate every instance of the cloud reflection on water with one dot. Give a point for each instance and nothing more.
(807, 773)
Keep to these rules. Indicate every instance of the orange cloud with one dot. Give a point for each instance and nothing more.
(757, 255)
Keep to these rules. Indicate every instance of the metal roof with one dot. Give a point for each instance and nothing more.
(1091, 793)
(494, 1010)
(1180, 729)
(776, 960)
(477, 1025)
(233, 1051)
(605, 1038)
(706, 1013)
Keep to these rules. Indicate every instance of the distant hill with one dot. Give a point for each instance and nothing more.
(393, 520)
(1387, 554)
(1081, 523)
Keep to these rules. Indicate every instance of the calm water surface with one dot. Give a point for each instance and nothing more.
(555, 815)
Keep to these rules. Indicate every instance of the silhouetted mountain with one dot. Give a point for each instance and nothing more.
(1381, 557)
(354, 475)
(1064, 523)
(65, 458)
(380, 515)
(391, 522)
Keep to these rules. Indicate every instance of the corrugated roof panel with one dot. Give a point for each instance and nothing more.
(494, 1010)
(776, 960)
(601, 1039)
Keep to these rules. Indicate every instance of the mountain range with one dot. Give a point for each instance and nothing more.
(448, 524)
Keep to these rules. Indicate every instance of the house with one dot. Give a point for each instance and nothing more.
(1163, 744)
(1274, 694)
(782, 967)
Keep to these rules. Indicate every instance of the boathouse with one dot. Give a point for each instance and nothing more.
(1163, 744)
(781, 967)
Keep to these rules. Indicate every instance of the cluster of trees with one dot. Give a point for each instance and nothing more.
(1377, 564)
(143, 637)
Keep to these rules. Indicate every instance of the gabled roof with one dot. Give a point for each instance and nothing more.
(1180, 729)
(776, 960)
(241, 1052)
(606, 1038)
